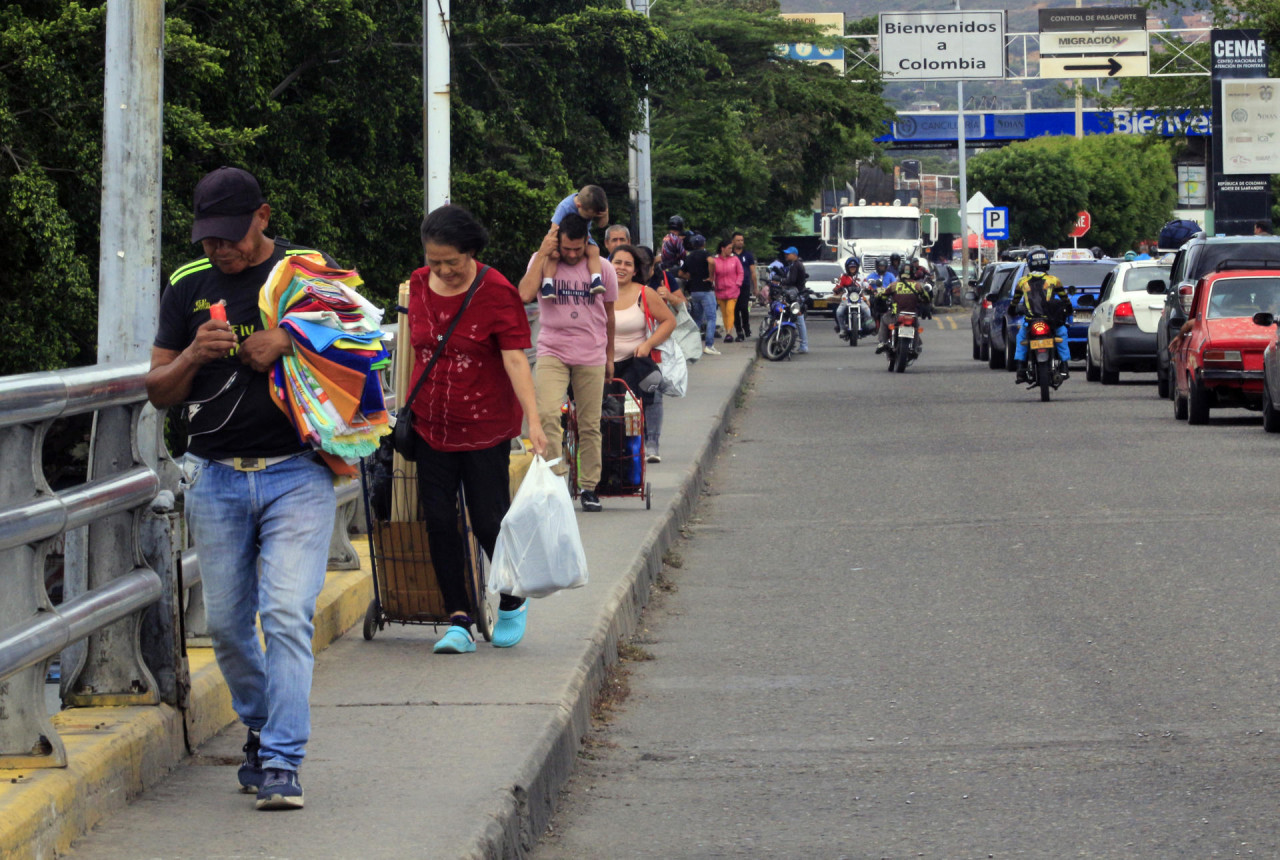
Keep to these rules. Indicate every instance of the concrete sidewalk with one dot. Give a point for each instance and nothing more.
(430, 755)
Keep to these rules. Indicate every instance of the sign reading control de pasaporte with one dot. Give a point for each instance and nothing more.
(942, 46)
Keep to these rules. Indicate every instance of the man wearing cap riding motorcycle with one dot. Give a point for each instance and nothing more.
(902, 296)
(259, 504)
(1040, 294)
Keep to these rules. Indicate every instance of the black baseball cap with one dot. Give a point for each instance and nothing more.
(225, 201)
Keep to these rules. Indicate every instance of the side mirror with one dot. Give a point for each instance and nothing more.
(1157, 287)
(1185, 295)
(1264, 319)
(991, 297)
(971, 295)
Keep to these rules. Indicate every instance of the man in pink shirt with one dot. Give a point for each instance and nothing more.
(575, 346)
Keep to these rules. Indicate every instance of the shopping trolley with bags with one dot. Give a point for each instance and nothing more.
(622, 454)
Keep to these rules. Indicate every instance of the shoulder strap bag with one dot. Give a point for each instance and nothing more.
(402, 435)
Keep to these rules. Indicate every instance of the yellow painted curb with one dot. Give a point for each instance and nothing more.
(114, 754)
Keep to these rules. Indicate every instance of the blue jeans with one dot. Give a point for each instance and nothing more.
(1064, 351)
(263, 539)
(804, 333)
(653, 423)
(702, 307)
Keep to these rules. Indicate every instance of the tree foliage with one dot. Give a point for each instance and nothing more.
(322, 100)
(1125, 182)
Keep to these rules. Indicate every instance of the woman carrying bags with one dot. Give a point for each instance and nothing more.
(642, 320)
(469, 408)
(726, 276)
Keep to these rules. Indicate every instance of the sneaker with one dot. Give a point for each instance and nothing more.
(281, 789)
(728, 338)
(881, 348)
(740, 338)
(250, 773)
(597, 289)
(710, 350)
(1064, 371)
(654, 458)
(509, 629)
(547, 291)
(590, 501)
(456, 640)
(804, 350)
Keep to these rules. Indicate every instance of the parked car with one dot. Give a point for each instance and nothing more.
(1200, 256)
(1122, 333)
(946, 285)
(1081, 278)
(1219, 361)
(823, 278)
(1270, 372)
(994, 280)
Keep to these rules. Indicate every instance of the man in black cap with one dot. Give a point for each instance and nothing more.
(259, 504)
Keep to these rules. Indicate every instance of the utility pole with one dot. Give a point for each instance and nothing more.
(641, 180)
(435, 104)
(964, 180)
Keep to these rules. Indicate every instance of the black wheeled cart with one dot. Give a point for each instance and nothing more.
(623, 466)
(405, 590)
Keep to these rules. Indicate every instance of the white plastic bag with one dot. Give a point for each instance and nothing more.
(539, 550)
(675, 370)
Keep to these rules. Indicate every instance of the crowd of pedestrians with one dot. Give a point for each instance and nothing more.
(259, 501)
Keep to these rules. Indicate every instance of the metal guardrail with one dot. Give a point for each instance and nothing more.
(133, 545)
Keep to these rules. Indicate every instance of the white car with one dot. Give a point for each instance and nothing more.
(1122, 333)
(823, 278)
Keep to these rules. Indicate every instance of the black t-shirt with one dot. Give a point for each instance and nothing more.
(230, 410)
(695, 263)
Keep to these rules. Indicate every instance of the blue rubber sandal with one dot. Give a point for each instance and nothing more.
(456, 640)
(509, 628)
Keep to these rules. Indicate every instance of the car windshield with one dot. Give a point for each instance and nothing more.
(1137, 279)
(1080, 274)
(881, 228)
(1243, 297)
(823, 271)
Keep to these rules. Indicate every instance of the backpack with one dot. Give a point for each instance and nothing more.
(1174, 234)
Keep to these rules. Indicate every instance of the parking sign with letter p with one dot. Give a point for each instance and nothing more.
(995, 223)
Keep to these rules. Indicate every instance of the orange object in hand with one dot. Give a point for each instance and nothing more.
(218, 311)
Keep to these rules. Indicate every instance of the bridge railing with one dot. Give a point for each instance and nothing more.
(131, 581)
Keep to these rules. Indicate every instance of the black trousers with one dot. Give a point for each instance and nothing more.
(483, 475)
(742, 313)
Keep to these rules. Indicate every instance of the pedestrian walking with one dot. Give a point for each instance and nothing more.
(668, 289)
(259, 503)
(742, 310)
(642, 321)
(727, 276)
(702, 297)
(469, 409)
(575, 346)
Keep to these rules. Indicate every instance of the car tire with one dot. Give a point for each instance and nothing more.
(1010, 350)
(1091, 372)
(1162, 383)
(995, 358)
(1197, 403)
(1179, 407)
(977, 350)
(1106, 374)
(984, 353)
(1270, 417)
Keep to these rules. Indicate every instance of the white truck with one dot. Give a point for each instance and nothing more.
(869, 232)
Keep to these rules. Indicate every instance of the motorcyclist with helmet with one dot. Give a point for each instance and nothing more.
(895, 266)
(903, 296)
(1039, 293)
(848, 281)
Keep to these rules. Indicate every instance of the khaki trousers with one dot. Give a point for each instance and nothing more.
(551, 381)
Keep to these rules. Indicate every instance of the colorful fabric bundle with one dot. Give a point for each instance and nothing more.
(329, 387)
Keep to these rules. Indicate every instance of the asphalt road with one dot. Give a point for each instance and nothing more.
(926, 615)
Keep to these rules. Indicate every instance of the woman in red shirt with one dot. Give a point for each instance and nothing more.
(468, 410)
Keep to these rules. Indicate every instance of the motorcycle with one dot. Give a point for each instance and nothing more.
(1044, 367)
(780, 334)
(904, 342)
(857, 315)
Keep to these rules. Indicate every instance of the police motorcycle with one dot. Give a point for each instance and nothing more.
(1044, 367)
(903, 345)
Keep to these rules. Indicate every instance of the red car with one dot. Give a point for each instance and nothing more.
(1219, 361)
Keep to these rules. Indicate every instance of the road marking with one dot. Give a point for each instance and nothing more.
(946, 322)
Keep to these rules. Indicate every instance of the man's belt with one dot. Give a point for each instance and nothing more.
(253, 464)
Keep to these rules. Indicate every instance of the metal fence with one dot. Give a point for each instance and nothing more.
(130, 581)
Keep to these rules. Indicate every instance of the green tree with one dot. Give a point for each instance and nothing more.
(1043, 190)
